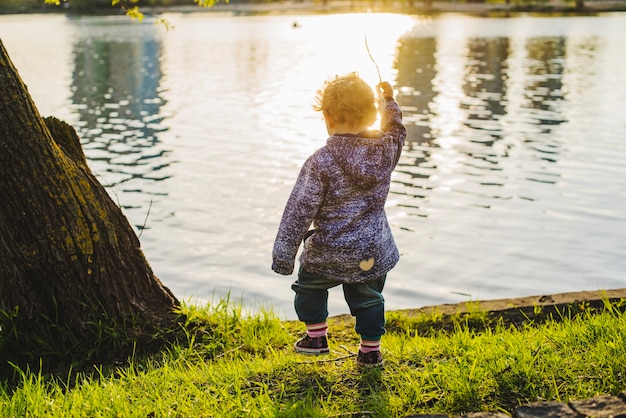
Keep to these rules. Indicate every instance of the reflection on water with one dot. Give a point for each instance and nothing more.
(510, 182)
(416, 60)
(494, 111)
(115, 92)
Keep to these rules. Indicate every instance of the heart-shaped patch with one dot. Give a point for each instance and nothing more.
(366, 265)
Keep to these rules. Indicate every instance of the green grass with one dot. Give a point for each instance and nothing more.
(234, 365)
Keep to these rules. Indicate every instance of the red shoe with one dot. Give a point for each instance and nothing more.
(314, 346)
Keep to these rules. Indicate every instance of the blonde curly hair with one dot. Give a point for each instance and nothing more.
(347, 99)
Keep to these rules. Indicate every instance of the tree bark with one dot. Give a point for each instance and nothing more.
(69, 260)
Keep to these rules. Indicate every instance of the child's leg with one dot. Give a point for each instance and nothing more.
(311, 304)
(311, 300)
(367, 304)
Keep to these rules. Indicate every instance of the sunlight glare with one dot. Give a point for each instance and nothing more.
(448, 114)
(349, 52)
(339, 42)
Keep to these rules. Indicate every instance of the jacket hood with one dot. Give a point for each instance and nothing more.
(362, 158)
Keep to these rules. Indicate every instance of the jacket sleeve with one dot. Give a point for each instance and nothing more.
(393, 130)
(300, 210)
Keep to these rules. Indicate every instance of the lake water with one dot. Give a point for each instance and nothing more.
(512, 181)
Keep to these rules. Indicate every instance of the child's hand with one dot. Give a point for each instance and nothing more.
(384, 90)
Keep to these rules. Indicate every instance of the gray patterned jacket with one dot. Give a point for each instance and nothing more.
(341, 190)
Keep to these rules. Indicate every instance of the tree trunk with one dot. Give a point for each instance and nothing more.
(72, 273)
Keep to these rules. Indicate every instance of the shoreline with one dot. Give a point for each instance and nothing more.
(511, 311)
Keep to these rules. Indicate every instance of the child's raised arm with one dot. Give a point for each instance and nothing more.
(384, 90)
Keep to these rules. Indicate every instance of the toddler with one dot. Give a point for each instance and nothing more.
(341, 191)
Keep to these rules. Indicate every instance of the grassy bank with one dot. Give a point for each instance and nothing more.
(236, 365)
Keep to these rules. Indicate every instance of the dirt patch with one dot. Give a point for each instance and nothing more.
(498, 306)
(519, 311)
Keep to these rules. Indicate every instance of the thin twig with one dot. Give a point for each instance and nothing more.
(145, 221)
(229, 351)
(326, 360)
(350, 414)
(345, 348)
(372, 58)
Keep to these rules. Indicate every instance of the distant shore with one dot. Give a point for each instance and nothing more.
(287, 7)
(395, 6)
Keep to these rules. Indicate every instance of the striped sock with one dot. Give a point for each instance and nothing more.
(317, 330)
(368, 346)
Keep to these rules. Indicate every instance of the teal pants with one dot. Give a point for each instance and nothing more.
(365, 301)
